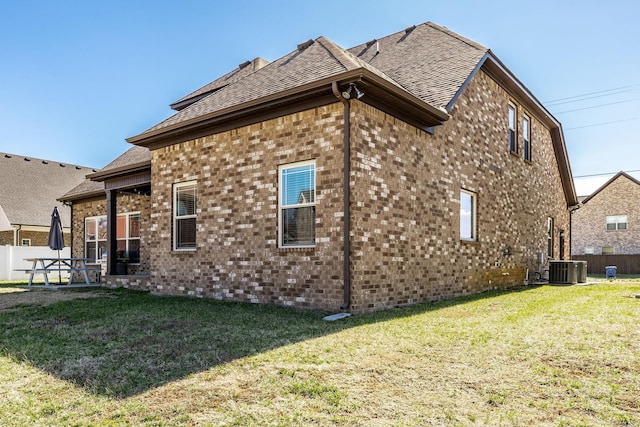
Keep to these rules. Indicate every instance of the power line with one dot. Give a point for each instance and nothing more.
(591, 95)
(602, 124)
(597, 106)
(604, 174)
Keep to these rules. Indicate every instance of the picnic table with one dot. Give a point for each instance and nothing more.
(45, 266)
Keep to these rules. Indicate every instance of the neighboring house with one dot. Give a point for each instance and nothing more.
(410, 168)
(28, 191)
(608, 221)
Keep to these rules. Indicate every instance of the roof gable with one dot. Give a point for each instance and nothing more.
(619, 175)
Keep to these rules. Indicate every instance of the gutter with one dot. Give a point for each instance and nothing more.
(346, 272)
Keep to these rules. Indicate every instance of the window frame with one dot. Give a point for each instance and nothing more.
(127, 239)
(512, 120)
(550, 237)
(97, 256)
(25, 242)
(526, 137)
(616, 221)
(473, 216)
(176, 218)
(282, 206)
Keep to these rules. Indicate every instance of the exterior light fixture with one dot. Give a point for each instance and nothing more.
(349, 93)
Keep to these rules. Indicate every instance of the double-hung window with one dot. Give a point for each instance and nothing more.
(617, 222)
(513, 134)
(468, 216)
(297, 205)
(526, 136)
(184, 216)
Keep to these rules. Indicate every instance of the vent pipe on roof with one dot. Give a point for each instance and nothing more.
(303, 46)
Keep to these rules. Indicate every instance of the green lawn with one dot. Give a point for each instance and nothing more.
(548, 355)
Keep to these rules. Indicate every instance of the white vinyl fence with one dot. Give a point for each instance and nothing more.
(13, 257)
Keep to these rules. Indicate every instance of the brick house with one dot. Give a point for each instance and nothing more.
(28, 191)
(410, 168)
(608, 220)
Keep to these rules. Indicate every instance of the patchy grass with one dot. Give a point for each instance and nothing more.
(550, 355)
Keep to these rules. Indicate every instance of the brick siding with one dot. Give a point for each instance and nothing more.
(589, 226)
(405, 187)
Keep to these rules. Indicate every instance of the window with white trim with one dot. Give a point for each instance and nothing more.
(616, 222)
(513, 139)
(25, 242)
(127, 237)
(468, 215)
(95, 238)
(526, 136)
(297, 205)
(184, 216)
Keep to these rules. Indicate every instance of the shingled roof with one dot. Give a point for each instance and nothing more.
(29, 188)
(416, 75)
(134, 159)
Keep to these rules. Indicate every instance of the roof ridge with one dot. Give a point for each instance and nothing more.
(455, 35)
(42, 161)
(343, 55)
(609, 182)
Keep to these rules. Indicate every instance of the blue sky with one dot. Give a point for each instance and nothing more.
(78, 77)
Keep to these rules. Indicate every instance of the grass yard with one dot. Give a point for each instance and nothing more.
(544, 356)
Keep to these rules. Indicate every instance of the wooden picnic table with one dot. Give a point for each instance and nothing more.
(45, 266)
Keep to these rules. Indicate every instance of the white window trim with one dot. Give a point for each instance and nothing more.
(282, 206)
(96, 240)
(617, 220)
(25, 242)
(128, 238)
(474, 216)
(176, 217)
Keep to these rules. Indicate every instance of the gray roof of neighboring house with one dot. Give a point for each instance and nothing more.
(132, 158)
(29, 188)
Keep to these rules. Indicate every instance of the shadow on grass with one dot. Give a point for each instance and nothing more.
(124, 342)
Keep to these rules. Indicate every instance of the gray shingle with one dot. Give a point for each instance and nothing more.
(29, 188)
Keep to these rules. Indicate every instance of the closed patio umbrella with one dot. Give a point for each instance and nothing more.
(56, 237)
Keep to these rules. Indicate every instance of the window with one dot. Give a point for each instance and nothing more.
(127, 236)
(550, 237)
(467, 215)
(589, 250)
(25, 242)
(608, 250)
(95, 238)
(526, 136)
(617, 222)
(513, 141)
(184, 216)
(297, 205)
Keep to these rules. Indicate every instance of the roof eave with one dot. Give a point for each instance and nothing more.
(320, 90)
(104, 175)
(496, 69)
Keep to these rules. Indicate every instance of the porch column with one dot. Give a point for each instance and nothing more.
(112, 243)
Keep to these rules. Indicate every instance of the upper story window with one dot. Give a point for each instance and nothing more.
(617, 222)
(184, 216)
(513, 140)
(468, 216)
(526, 136)
(25, 242)
(297, 216)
